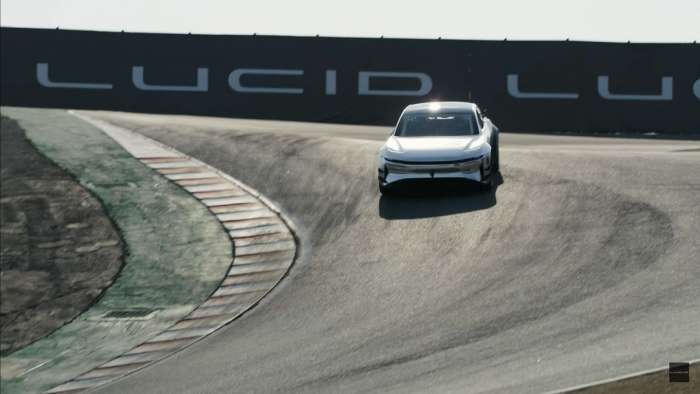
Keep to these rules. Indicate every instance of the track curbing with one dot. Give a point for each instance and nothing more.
(229, 200)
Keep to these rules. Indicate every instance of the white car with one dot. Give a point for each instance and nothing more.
(440, 140)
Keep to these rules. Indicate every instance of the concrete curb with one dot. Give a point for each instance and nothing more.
(264, 250)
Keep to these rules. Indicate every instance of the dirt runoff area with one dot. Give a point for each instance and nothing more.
(59, 250)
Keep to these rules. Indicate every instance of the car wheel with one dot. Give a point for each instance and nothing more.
(495, 159)
(488, 182)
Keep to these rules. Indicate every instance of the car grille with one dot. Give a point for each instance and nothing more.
(401, 166)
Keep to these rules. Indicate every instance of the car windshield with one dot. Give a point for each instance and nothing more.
(437, 125)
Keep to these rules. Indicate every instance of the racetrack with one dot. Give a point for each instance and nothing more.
(582, 266)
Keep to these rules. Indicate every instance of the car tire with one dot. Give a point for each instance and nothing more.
(488, 183)
(495, 157)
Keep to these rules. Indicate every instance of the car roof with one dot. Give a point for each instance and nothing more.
(441, 106)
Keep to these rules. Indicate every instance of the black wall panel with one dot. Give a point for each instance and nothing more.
(524, 86)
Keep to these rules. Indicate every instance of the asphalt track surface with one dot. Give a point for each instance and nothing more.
(583, 265)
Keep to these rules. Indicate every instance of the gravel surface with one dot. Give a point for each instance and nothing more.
(59, 248)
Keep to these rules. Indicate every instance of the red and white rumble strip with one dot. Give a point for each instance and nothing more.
(264, 249)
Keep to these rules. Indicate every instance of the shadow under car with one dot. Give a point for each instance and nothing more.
(416, 199)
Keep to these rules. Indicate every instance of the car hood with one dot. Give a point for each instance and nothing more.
(433, 148)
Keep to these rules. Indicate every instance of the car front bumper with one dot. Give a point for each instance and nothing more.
(396, 170)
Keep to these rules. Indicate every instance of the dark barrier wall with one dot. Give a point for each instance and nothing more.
(524, 86)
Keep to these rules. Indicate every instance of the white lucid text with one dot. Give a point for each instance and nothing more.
(364, 84)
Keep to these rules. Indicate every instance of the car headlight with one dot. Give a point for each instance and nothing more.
(393, 146)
